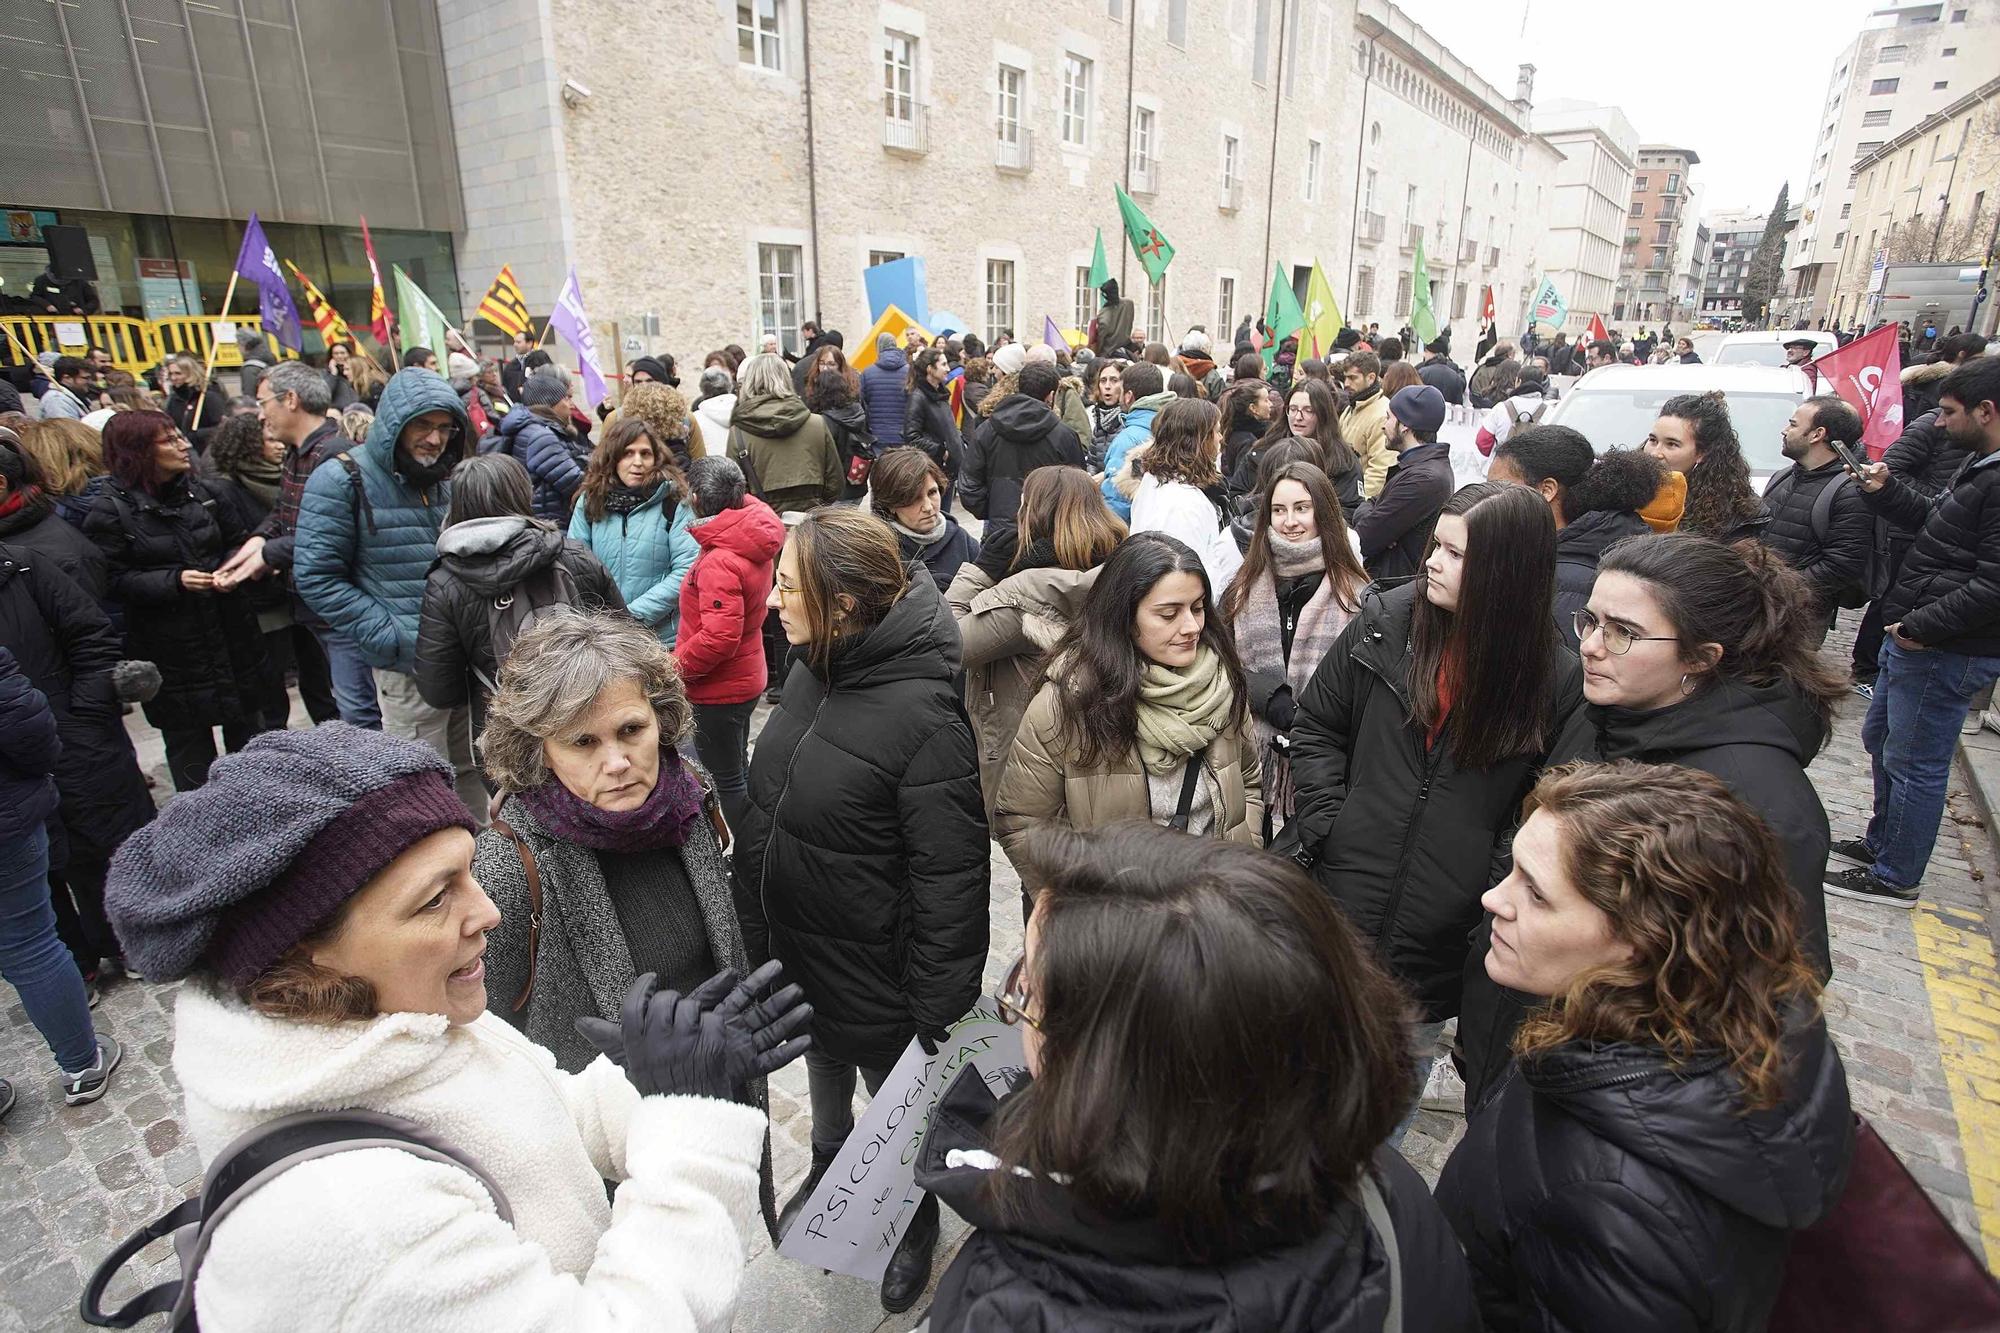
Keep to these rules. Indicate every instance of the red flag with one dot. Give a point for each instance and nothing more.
(1486, 315)
(378, 309)
(1597, 332)
(1257, 338)
(1868, 373)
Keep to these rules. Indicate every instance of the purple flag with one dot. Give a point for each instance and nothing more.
(570, 321)
(256, 262)
(1051, 334)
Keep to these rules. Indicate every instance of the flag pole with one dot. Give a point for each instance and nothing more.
(208, 365)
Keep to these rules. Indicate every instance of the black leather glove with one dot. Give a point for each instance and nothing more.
(930, 1041)
(1281, 710)
(685, 1044)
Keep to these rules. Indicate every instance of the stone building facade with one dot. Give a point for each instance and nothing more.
(715, 170)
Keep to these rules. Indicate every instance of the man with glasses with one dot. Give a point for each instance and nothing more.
(368, 526)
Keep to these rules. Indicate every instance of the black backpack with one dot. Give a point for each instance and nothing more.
(1875, 570)
(510, 614)
(240, 1170)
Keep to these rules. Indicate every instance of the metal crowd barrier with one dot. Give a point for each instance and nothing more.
(136, 345)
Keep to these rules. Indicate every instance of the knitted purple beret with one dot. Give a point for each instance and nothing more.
(267, 850)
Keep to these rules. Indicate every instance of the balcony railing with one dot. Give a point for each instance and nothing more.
(1145, 175)
(1017, 153)
(1373, 227)
(906, 127)
(1468, 252)
(1230, 197)
(1413, 234)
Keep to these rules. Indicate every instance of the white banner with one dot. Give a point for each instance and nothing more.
(865, 1200)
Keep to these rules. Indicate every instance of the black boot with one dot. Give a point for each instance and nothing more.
(909, 1270)
(796, 1204)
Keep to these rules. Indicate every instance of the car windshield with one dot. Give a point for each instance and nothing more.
(1621, 419)
(1751, 354)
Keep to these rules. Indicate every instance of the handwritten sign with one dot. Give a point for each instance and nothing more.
(864, 1202)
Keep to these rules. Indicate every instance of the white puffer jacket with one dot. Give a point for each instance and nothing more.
(382, 1239)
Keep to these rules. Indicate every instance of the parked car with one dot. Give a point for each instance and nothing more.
(1615, 406)
(1767, 347)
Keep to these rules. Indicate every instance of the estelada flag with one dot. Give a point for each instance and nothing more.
(378, 309)
(1868, 374)
(1597, 332)
(332, 328)
(503, 305)
(1486, 312)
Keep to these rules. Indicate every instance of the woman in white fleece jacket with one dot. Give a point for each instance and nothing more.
(319, 894)
(1175, 488)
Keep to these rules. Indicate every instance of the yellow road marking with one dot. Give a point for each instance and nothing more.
(1962, 979)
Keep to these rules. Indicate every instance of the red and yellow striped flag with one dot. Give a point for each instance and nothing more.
(504, 307)
(332, 328)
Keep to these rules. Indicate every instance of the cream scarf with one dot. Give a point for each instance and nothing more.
(1181, 711)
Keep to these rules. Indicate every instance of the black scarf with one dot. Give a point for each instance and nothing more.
(1360, 396)
(623, 499)
(421, 476)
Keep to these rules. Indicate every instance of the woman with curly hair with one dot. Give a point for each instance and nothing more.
(1678, 1109)
(1694, 437)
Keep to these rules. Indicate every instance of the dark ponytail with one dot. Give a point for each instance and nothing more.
(1744, 597)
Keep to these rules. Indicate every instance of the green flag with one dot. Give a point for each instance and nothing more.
(1100, 271)
(422, 323)
(1421, 319)
(1152, 248)
(1281, 313)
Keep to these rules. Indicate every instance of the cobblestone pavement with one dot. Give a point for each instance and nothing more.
(1915, 1005)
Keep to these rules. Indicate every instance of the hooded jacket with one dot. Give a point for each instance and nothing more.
(1920, 387)
(928, 425)
(1136, 429)
(480, 562)
(36, 528)
(551, 455)
(1115, 320)
(711, 417)
(360, 559)
(1005, 628)
(381, 1238)
(1401, 837)
(1758, 739)
(28, 749)
(1602, 1189)
(863, 860)
(1395, 526)
(648, 551)
(848, 424)
(791, 453)
(885, 397)
(1019, 435)
(206, 644)
(1579, 546)
(1070, 1268)
(720, 647)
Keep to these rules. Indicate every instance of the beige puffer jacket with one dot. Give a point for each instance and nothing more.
(1041, 782)
(1004, 630)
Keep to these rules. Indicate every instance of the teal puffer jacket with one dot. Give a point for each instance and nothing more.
(360, 561)
(648, 551)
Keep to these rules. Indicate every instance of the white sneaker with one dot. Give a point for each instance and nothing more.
(1991, 719)
(1444, 1090)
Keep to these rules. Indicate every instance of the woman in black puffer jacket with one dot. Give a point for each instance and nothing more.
(1677, 1109)
(492, 548)
(927, 421)
(164, 531)
(862, 863)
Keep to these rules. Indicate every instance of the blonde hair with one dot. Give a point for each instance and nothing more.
(68, 453)
(765, 375)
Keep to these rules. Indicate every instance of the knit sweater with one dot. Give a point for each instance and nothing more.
(380, 1238)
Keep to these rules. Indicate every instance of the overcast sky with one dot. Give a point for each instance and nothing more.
(1738, 81)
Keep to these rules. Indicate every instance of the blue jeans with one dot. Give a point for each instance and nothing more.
(353, 681)
(34, 961)
(1911, 731)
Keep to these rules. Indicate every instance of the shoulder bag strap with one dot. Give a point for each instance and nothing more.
(1377, 1208)
(534, 874)
(1184, 810)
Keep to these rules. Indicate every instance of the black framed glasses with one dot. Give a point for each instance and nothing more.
(1013, 997)
(1618, 640)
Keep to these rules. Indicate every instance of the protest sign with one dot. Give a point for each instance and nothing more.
(864, 1202)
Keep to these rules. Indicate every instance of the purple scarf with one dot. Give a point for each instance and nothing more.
(666, 818)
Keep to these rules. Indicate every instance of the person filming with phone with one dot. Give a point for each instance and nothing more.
(1826, 538)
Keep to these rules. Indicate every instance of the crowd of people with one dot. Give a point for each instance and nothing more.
(1336, 789)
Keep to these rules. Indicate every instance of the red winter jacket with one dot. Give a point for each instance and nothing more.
(721, 647)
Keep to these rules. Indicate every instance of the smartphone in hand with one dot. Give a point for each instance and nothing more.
(1853, 461)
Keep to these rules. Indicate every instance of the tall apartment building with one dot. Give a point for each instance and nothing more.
(1584, 229)
(1907, 62)
(803, 144)
(1651, 260)
(1733, 238)
(1692, 264)
(1929, 195)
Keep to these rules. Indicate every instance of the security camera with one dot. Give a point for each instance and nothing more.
(573, 92)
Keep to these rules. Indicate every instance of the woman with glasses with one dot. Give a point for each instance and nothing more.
(1677, 1110)
(1703, 655)
(1422, 730)
(1122, 1185)
(1312, 413)
(862, 861)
